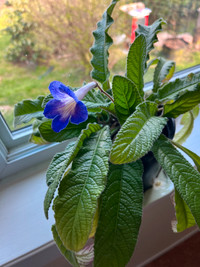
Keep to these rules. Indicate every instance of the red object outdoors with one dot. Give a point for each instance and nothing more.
(136, 11)
(134, 27)
(146, 20)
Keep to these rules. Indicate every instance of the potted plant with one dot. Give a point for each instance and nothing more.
(116, 127)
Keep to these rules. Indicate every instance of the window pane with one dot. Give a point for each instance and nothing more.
(45, 40)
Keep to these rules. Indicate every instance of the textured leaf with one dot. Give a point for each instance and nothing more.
(36, 137)
(173, 90)
(95, 102)
(152, 62)
(126, 97)
(184, 103)
(137, 134)
(163, 72)
(185, 178)
(188, 123)
(27, 110)
(61, 161)
(46, 100)
(184, 217)
(80, 189)
(120, 215)
(77, 259)
(55, 172)
(136, 63)
(150, 32)
(69, 255)
(95, 223)
(100, 47)
(71, 131)
(192, 155)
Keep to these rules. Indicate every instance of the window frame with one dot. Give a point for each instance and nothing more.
(17, 153)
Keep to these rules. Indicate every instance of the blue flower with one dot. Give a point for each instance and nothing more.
(66, 105)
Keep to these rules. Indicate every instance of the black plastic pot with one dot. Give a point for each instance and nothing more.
(151, 166)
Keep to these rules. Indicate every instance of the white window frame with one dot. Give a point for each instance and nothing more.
(17, 153)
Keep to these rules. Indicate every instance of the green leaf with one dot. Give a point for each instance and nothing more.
(195, 111)
(100, 47)
(27, 110)
(188, 123)
(120, 215)
(55, 172)
(150, 32)
(184, 103)
(71, 131)
(185, 178)
(126, 97)
(69, 255)
(184, 216)
(61, 161)
(163, 72)
(136, 60)
(36, 137)
(137, 134)
(80, 189)
(173, 90)
(46, 100)
(95, 102)
(192, 155)
(77, 259)
(152, 62)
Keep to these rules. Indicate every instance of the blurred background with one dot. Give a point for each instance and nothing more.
(46, 40)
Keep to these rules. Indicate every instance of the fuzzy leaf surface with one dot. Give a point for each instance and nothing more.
(137, 134)
(184, 216)
(185, 178)
(126, 97)
(80, 189)
(95, 102)
(77, 259)
(120, 215)
(36, 137)
(184, 103)
(136, 63)
(192, 155)
(27, 110)
(100, 47)
(150, 32)
(71, 131)
(61, 161)
(163, 72)
(173, 90)
(69, 255)
(188, 122)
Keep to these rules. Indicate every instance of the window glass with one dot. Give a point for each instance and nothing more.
(45, 40)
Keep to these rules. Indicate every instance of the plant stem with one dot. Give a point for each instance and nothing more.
(109, 96)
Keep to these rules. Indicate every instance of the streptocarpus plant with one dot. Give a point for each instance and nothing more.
(98, 207)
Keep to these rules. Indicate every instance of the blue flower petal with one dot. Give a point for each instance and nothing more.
(80, 113)
(59, 123)
(60, 91)
(51, 108)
